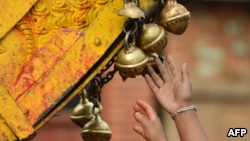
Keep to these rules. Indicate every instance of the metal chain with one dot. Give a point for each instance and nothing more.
(131, 27)
(99, 79)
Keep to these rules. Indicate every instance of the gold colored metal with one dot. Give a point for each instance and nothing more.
(130, 62)
(152, 38)
(82, 113)
(132, 11)
(96, 129)
(174, 17)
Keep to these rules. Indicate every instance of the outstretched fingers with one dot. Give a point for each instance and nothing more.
(151, 83)
(158, 81)
(173, 67)
(162, 69)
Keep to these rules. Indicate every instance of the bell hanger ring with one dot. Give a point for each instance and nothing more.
(130, 23)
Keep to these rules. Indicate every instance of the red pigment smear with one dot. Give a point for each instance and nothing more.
(26, 75)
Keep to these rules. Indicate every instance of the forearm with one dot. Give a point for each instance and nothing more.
(189, 127)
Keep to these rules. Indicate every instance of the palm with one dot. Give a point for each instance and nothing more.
(172, 92)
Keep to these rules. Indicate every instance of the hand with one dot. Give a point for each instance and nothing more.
(150, 126)
(172, 91)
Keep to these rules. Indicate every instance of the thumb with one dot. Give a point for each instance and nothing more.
(141, 119)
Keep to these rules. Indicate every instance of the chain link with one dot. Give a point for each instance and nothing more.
(99, 79)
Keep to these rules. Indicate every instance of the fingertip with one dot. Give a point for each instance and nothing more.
(141, 103)
(157, 59)
(139, 100)
(169, 57)
(135, 128)
(138, 116)
(137, 108)
(146, 75)
(184, 67)
(149, 111)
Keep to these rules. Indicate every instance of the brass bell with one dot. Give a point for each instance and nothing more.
(152, 38)
(130, 61)
(82, 113)
(174, 17)
(132, 11)
(96, 130)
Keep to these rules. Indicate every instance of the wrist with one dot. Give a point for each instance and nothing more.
(183, 110)
(188, 115)
(176, 107)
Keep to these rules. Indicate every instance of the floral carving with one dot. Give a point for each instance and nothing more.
(48, 16)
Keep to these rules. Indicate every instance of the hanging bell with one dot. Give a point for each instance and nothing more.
(96, 129)
(152, 38)
(174, 17)
(131, 10)
(131, 60)
(82, 113)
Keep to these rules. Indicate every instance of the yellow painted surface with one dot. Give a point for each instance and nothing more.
(6, 132)
(51, 53)
(12, 118)
(11, 12)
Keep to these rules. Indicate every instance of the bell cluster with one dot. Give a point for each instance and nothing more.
(141, 43)
(143, 40)
(87, 114)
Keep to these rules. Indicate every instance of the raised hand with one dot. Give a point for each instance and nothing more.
(173, 91)
(150, 127)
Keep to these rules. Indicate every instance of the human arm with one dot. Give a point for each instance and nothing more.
(150, 127)
(174, 92)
